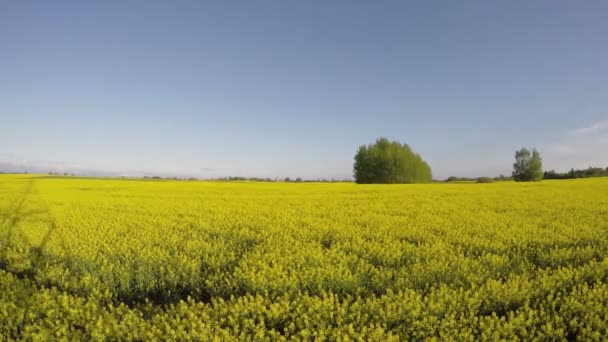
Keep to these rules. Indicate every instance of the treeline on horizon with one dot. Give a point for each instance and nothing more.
(585, 173)
(220, 179)
(286, 179)
(552, 174)
(256, 179)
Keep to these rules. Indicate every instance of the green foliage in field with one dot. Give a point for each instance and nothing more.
(528, 166)
(389, 162)
(134, 260)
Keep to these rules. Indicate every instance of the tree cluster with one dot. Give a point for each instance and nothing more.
(390, 162)
(528, 166)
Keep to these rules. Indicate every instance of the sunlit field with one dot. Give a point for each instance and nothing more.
(141, 260)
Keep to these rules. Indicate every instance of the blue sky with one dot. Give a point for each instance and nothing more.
(287, 88)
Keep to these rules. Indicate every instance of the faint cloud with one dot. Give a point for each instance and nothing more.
(563, 149)
(579, 148)
(592, 129)
(207, 169)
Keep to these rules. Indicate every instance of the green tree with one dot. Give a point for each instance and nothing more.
(528, 166)
(389, 162)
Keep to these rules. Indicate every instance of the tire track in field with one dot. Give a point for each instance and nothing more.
(10, 223)
(35, 254)
(51, 231)
(16, 214)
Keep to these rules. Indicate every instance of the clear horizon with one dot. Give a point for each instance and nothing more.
(286, 89)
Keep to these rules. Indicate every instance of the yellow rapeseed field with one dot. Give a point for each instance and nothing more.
(184, 260)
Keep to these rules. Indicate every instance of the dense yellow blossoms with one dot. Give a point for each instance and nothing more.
(141, 260)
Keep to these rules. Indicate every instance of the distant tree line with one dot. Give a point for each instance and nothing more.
(528, 167)
(168, 178)
(241, 179)
(65, 174)
(478, 179)
(585, 173)
(286, 179)
(393, 162)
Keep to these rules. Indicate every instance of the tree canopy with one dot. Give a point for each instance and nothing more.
(389, 162)
(528, 166)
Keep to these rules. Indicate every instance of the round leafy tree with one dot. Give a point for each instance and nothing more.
(389, 162)
(528, 166)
